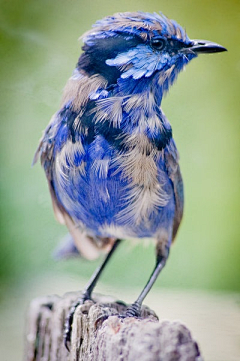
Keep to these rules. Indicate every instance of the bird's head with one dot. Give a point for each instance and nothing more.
(128, 47)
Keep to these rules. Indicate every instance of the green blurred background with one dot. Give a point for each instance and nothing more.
(38, 52)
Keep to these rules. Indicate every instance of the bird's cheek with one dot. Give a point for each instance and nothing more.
(163, 61)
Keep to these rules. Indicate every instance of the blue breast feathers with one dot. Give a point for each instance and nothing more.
(112, 176)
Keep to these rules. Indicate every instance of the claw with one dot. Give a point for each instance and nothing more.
(121, 303)
(106, 312)
(66, 343)
(69, 321)
(133, 310)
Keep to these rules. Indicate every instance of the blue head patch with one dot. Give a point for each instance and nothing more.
(136, 46)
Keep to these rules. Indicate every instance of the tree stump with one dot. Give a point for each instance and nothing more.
(96, 337)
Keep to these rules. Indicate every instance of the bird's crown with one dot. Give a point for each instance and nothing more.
(143, 25)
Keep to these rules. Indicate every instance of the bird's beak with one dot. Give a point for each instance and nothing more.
(206, 47)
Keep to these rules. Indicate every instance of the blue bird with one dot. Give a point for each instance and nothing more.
(109, 156)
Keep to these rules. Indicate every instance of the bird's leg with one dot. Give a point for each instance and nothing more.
(86, 295)
(134, 310)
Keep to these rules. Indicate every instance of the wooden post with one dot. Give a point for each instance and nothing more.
(99, 338)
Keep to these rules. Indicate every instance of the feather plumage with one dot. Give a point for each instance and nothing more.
(108, 153)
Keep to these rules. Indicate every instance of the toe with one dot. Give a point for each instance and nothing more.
(133, 310)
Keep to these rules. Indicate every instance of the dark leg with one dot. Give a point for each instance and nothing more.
(135, 309)
(86, 295)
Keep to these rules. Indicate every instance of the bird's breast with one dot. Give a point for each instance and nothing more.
(106, 189)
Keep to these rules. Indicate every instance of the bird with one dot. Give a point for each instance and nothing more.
(109, 155)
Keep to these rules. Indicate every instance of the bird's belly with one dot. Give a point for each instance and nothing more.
(111, 206)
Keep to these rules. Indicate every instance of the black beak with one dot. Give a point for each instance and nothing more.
(206, 47)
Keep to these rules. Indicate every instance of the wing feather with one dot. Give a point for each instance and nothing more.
(174, 174)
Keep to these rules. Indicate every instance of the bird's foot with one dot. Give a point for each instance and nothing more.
(134, 310)
(69, 319)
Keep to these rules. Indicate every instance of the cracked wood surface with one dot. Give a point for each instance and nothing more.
(99, 334)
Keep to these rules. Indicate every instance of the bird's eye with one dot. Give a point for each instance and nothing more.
(158, 43)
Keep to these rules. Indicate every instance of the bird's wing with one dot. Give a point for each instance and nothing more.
(75, 99)
(45, 153)
(174, 173)
(76, 96)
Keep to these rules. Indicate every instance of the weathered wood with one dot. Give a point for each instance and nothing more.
(97, 338)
